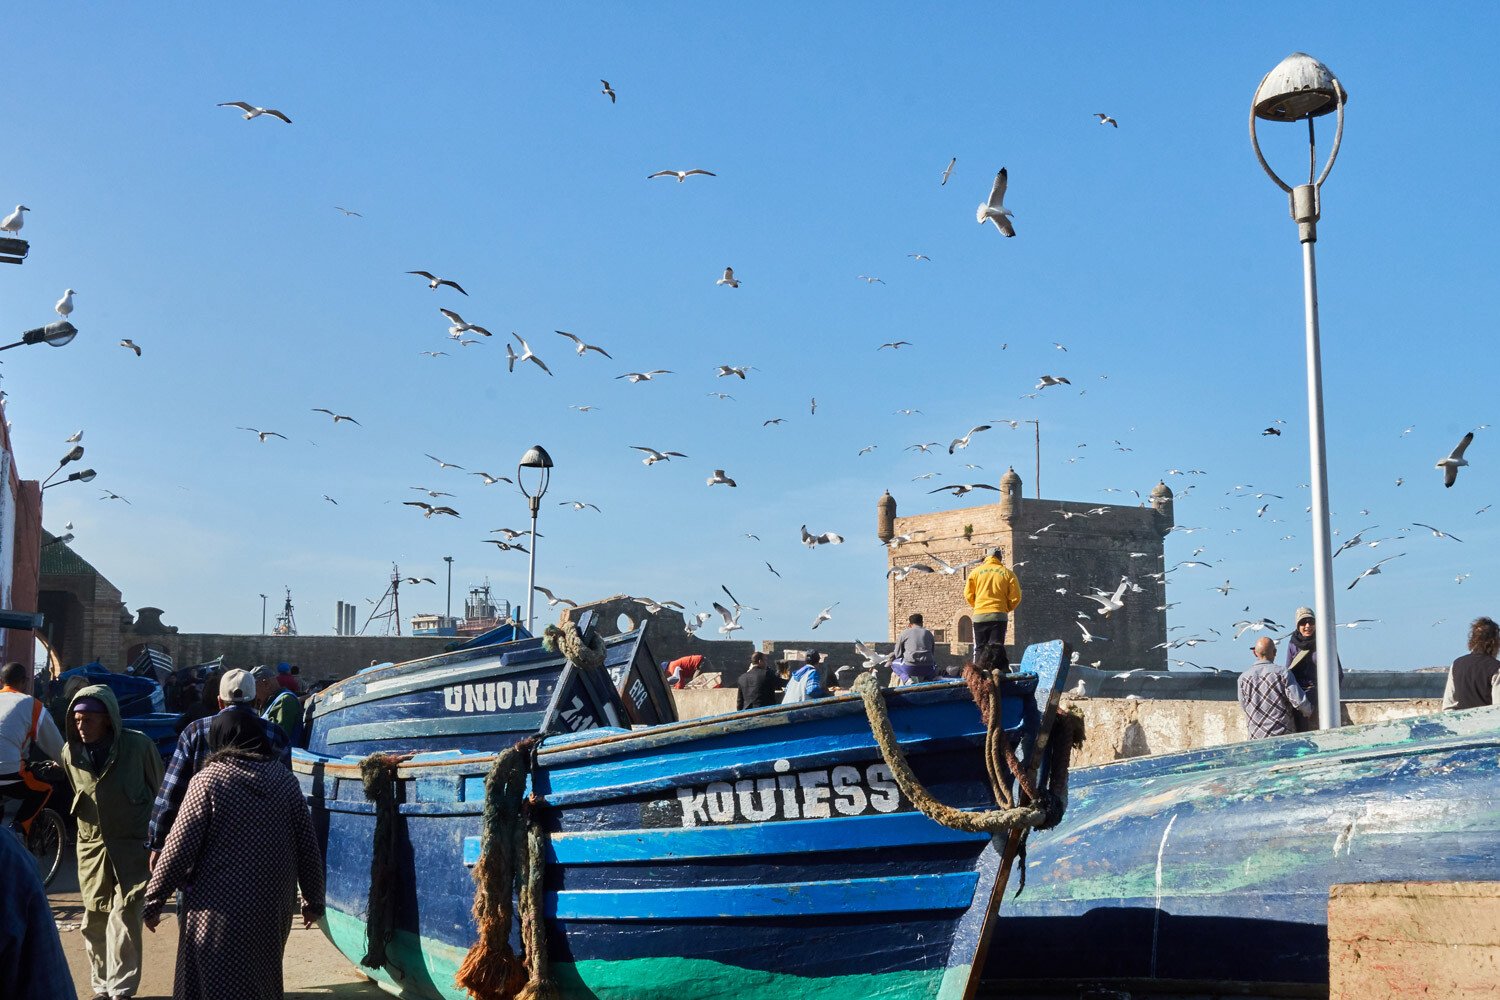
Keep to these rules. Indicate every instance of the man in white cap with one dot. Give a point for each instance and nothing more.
(236, 694)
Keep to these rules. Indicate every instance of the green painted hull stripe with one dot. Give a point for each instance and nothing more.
(428, 968)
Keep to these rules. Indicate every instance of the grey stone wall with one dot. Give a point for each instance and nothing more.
(320, 657)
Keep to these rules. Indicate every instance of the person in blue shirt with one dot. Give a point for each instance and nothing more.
(805, 683)
(32, 964)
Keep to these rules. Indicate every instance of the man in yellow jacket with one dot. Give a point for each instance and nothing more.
(993, 592)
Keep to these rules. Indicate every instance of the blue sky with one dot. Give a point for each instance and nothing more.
(477, 145)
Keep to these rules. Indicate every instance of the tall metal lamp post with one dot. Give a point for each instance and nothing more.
(535, 458)
(449, 613)
(1300, 88)
(262, 614)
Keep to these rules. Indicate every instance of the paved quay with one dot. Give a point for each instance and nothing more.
(312, 966)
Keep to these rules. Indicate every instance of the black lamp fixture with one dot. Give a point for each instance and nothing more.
(58, 334)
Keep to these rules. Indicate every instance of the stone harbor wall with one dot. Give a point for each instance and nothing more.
(319, 657)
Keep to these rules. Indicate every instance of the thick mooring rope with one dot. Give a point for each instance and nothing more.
(377, 773)
(510, 857)
(569, 641)
(989, 821)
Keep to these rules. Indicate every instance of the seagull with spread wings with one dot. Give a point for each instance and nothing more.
(581, 346)
(729, 278)
(826, 538)
(262, 434)
(961, 489)
(963, 442)
(994, 209)
(461, 326)
(512, 357)
(719, 479)
(552, 599)
(1455, 459)
(490, 480)
(645, 376)
(428, 509)
(433, 281)
(1374, 570)
(445, 465)
(336, 416)
(825, 615)
(682, 175)
(653, 456)
(251, 111)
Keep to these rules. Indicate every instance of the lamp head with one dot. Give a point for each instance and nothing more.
(73, 455)
(1299, 87)
(536, 458)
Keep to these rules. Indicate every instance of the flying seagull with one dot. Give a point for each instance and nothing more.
(579, 505)
(459, 325)
(511, 534)
(581, 345)
(902, 572)
(348, 212)
(681, 175)
(414, 580)
(1087, 635)
(773, 570)
(826, 538)
(506, 546)
(729, 278)
(894, 345)
(14, 221)
(731, 620)
(608, 92)
(645, 376)
(428, 509)
(336, 416)
(74, 438)
(773, 420)
(1435, 532)
(1455, 459)
(262, 434)
(870, 279)
(1375, 570)
(653, 456)
(330, 499)
(432, 493)
(433, 281)
(994, 210)
(726, 370)
(1106, 120)
(960, 489)
(112, 496)
(512, 357)
(490, 480)
(919, 257)
(131, 345)
(251, 111)
(1047, 381)
(1270, 432)
(1110, 603)
(948, 172)
(445, 465)
(963, 442)
(64, 307)
(719, 479)
(552, 599)
(824, 615)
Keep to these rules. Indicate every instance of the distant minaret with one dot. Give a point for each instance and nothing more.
(1161, 502)
(885, 517)
(1010, 496)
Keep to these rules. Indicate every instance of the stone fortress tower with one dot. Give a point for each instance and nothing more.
(1052, 545)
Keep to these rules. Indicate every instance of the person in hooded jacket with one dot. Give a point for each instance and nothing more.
(1302, 660)
(114, 772)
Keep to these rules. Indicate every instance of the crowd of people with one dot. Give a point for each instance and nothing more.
(222, 829)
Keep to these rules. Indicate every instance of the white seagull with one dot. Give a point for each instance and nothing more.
(725, 370)
(263, 434)
(581, 345)
(681, 175)
(1051, 380)
(445, 465)
(1106, 119)
(963, 442)
(824, 615)
(719, 479)
(552, 599)
(512, 357)
(490, 480)
(15, 220)
(1087, 635)
(994, 210)
(459, 325)
(433, 281)
(64, 307)
(1450, 465)
(729, 278)
(1110, 603)
(826, 538)
(902, 572)
(251, 111)
(645, 376)
(653, 456)
(1375, 570)
(1436, 533)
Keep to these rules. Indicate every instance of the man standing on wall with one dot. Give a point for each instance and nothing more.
(993, 592)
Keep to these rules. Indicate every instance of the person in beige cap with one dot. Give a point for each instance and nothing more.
(236, 694)
(1302, 660)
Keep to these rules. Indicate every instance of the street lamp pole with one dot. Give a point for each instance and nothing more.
(449, 613)
(535, 458)
(1036, 425)
(262, 614)
(1301, 87)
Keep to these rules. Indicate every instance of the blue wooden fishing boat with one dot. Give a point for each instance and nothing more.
(1215, 864)
(485, 697)
(763, 854)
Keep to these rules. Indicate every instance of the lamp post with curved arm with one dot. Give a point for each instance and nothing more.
(1301, 88)
(535, 458)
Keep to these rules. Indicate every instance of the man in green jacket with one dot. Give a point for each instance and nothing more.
(115, 773)
(277, 704)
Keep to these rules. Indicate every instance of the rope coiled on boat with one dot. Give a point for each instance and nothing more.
(566, 638)
(511, 861)
(377, 773)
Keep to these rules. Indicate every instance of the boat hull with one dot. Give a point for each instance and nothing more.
(1216, 864)
(765, 854)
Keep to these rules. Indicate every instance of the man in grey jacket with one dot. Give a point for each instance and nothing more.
(913, 659)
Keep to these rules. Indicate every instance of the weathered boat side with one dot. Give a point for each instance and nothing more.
(1217, 863)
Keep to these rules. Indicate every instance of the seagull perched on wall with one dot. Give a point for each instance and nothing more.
(1455, 459)
(682, 175)
(251, 111)
(433, 281)
(994, 209)
(581, 345)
